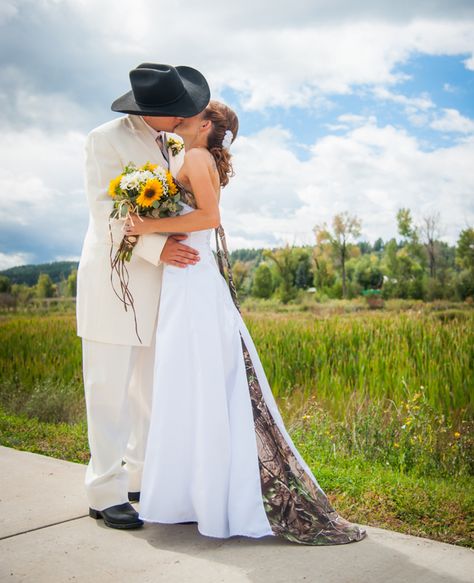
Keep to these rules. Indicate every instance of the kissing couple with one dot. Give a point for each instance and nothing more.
(182, 419)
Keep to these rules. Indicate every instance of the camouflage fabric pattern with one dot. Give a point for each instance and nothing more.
(296, 508)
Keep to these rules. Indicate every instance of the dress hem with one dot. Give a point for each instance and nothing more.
(246, 534)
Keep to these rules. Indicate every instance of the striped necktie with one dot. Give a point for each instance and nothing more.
(161, 144)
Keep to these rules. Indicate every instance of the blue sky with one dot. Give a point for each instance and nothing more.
(443, 79)
(361, 107)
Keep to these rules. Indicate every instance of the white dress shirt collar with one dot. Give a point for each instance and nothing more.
(154, 133)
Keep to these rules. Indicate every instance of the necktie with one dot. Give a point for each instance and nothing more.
(164, 150)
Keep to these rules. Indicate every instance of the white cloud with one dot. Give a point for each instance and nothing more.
(353, 119)
(299, 66)
(44, 211)
(295, 58)
(469, 63)
(8, 11)
(449, 88)
(370, 171)
(417, 109)
(64, 61)
(8, 260)
(53, 110)
(348, 120)
(423, 102)
(453, 121)
(23, 105)
(265, 183)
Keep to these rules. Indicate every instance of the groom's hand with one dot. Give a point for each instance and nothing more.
(178, 254)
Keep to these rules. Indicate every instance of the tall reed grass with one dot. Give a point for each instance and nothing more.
(370, 357)
(394, 387)
(40, 367)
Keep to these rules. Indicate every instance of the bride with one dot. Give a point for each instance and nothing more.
(218, 453)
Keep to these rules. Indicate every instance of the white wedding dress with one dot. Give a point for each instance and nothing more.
(218, 453)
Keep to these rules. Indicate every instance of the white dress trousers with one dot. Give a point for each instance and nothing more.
(118, 384)
(117, 368)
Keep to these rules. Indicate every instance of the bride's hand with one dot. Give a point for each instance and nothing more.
(136, 225)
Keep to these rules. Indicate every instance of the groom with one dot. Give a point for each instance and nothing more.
(117, 368)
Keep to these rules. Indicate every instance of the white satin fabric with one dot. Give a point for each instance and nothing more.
(201, 461)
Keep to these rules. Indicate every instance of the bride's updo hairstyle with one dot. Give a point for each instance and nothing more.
(223, 119)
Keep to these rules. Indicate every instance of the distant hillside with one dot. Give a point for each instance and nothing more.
(29, 273)
(61, 269)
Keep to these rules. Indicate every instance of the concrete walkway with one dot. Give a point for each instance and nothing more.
(46, 536)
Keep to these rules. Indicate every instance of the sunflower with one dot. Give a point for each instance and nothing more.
(149, 166)
(152, 190)
(172, 188)
(113, 186)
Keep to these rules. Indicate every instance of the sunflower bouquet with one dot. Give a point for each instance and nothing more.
(145, 191)
(149, 191)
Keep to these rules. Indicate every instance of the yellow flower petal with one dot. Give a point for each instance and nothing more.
(149, 166)
(172, 188)
(152, 190)
(114, 184)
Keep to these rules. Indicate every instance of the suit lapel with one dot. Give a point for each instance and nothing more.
(142, 133)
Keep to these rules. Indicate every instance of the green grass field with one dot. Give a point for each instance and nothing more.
(379, 403)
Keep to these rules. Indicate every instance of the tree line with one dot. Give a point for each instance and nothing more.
(17, 295)
(419, 265)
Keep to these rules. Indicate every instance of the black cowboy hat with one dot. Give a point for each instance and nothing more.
(163, 90)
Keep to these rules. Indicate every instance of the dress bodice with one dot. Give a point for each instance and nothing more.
(200, 240)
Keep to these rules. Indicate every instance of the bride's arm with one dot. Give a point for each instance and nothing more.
(197, 169)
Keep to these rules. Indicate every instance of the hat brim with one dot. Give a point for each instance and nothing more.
(195, 99)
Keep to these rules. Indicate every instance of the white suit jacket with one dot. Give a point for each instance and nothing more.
(100, 314)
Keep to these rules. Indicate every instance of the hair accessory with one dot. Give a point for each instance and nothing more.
(227, 141)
